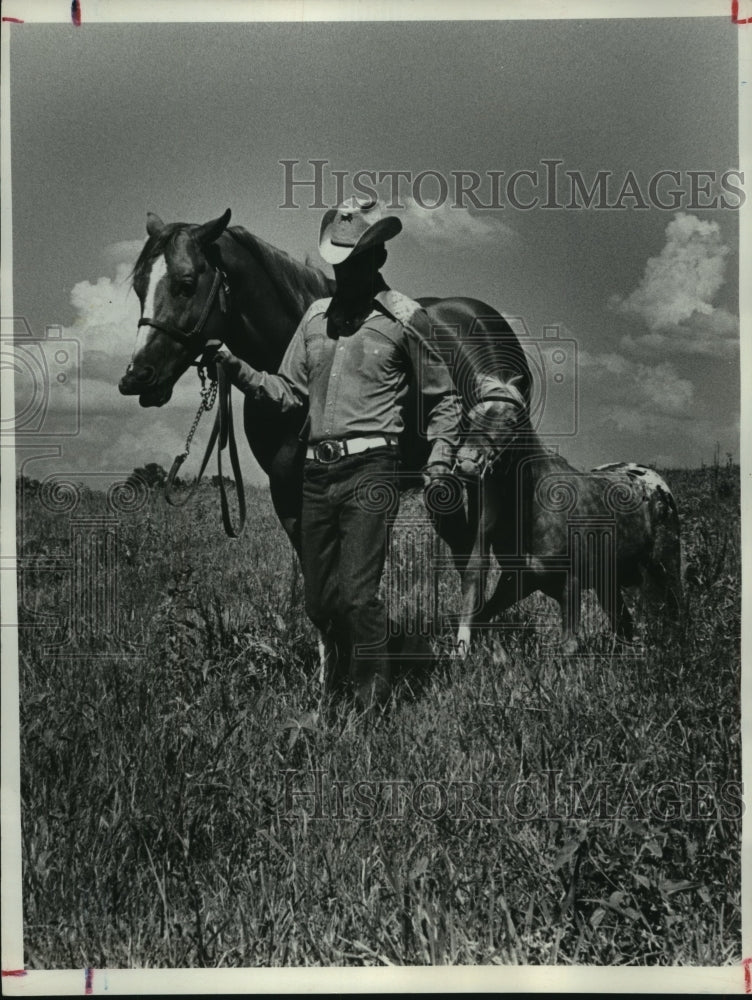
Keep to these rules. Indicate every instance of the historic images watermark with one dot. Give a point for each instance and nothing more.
(546, 795)
(547, 184)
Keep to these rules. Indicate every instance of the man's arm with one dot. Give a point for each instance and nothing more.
(287, 389)
(439, 395)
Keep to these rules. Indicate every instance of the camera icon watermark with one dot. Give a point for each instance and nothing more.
(46, 373)
(554, 403)
(498, 353)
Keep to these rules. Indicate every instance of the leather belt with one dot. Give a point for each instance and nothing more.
(333, 450)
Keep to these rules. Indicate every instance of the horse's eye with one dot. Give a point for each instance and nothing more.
(187, 285)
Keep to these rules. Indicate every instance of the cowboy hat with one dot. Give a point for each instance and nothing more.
(355, 226)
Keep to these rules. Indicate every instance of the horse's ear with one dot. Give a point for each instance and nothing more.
(210, 231)
(154, 224)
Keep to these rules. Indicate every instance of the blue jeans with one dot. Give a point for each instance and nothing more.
(344, 538)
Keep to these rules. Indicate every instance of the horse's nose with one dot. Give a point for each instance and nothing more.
(468, 468)
(136, 379)
(468, 462)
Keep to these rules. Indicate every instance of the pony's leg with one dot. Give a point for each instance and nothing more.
(619, 616)
(445, 507)
(454, 529)
(323, 659)
(504, 596)
(571, 600)
(482, 516)
(664, 574)
(623, 622)
(661, 592)
(608, 586)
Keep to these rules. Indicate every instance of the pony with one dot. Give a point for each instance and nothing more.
(201, 282)
(558, 530)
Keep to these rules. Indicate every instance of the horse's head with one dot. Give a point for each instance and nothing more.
(490, 426)
(182, 291)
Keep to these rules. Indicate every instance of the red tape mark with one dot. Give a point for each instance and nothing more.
(13, 972)
(75, 13)
(746, 965)
(735, 14)
(13, 20)
(88, 981)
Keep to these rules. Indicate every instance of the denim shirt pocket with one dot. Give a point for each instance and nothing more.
(316, 345)
(376, 354)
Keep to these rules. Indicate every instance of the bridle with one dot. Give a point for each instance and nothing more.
(220, 387)
(220, 288)
(489, 458)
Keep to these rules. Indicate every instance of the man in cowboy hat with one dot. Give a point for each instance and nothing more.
(350, 361)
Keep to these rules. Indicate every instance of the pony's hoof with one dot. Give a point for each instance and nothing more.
(372, 693)
(500, 657)
(570, 646)
(461, 645)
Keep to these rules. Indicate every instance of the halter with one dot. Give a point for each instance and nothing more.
(490, 457)
(219, 287)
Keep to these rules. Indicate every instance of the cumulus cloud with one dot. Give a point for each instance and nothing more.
(113, 431)
(674, 298)
(448, 227)
(107, 314)
(715, 335)
(635, 396)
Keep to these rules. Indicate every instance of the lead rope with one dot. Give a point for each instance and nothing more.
(208, 396)
(227, 435)
(223, 430)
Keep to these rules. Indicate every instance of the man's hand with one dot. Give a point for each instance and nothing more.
(214, 353)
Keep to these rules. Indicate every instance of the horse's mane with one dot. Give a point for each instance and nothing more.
(296, 281)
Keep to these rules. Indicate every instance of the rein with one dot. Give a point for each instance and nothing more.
(223, 430)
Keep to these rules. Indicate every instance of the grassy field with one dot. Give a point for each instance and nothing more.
(188, 800)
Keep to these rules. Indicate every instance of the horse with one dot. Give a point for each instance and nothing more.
(202, 282)
(555, 529)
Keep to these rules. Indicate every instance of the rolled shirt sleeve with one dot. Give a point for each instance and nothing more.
(287, 389)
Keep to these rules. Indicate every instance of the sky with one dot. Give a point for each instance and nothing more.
(111, 121)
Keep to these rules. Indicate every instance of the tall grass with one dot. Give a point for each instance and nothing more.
(165, 815)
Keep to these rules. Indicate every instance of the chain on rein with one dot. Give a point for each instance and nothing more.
(218, 387)
(208, 395)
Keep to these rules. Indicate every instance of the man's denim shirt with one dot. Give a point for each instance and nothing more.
(355, 384)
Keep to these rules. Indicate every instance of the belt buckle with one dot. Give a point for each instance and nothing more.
(329, 452)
